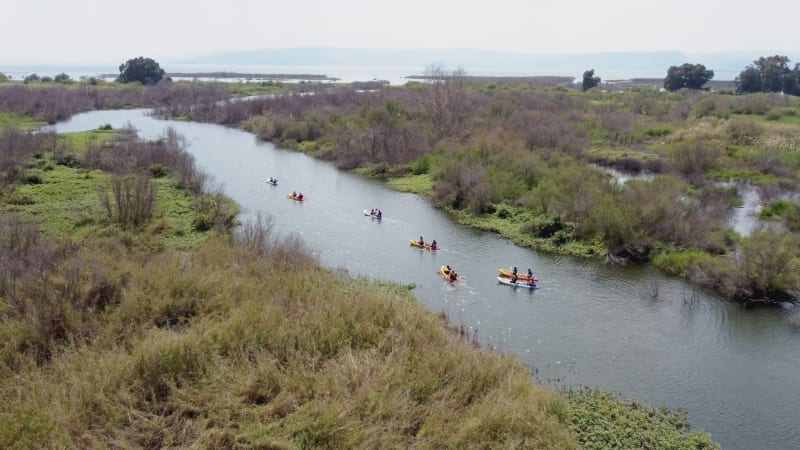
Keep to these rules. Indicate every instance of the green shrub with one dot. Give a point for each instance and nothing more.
(601, 420)
(32, 178)
(159, 171)
(744, 131)
(774, 114)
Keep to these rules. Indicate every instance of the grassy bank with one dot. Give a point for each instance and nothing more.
(225, 346)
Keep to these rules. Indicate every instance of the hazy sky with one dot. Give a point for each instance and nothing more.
(109, 31)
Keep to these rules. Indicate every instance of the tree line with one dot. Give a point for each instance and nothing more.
(766, 74)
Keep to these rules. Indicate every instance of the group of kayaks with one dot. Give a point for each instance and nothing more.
(507, 277)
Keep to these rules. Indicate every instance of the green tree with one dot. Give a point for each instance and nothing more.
(589, 80)
(62, 78)
(774, 70)
(792, 83)
(770, 74)
(691, 76)
(143, 70)
(3, 77)
(749, 80)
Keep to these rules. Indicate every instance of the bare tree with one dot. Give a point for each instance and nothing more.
(131, 199)
(444, 102)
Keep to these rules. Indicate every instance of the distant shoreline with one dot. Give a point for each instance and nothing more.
(554, 80)
(247, 76)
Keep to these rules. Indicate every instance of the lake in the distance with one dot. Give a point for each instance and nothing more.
(345, 74)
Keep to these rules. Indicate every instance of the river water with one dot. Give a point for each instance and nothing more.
(627, 329)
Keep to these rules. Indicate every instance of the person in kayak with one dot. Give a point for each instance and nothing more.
(300, 196)
(453, 275)
(514, 271)
(433, 244)
(530, 274)
(514, 277)
(421, 241)
(379, 214)
(372, 212)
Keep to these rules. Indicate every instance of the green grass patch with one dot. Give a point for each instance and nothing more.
(751, 176)
(601, 420)
(513, 223)
(774, 115)
(682, 262)
(787, 210)
(615, 154)
(24, 122)
(80, 141)
(416, 184)
(66, 204)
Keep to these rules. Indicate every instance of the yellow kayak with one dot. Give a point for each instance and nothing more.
(447, 275)
(425, 246)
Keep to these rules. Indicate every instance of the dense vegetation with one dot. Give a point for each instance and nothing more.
(533, 164)
(131, 316)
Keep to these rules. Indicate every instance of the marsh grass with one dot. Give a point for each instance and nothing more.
(223, 344)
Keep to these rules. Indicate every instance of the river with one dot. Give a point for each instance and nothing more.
(627, 329)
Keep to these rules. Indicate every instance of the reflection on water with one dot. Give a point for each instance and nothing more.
(629, 329)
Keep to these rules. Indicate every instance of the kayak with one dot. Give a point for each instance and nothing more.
(296, 198)
(374, 216)
(425, 246)
(507, 274)
(446, 274)
(508, 282)
(274, 183)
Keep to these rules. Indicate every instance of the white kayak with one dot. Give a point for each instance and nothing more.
(523, 284)
(374, 216)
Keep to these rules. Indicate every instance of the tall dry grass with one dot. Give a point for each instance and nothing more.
(253, 344)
